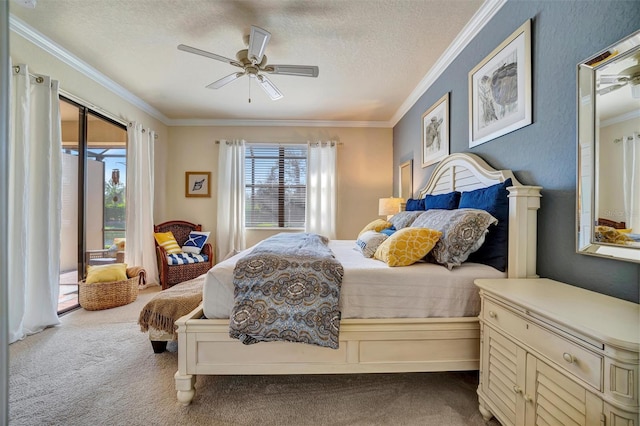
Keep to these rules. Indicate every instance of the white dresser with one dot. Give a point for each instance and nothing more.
(555, 354)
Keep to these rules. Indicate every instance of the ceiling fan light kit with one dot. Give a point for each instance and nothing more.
(253, 62)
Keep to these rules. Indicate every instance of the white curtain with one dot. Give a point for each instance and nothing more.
(35, 182)
(140, 248)
(230, 230)
(321, 189)
(631, 166)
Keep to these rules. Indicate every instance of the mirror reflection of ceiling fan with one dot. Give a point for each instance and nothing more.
(628, 76)
(253, 62)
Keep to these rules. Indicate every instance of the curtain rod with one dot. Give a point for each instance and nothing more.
(621, 139)
(285, 143)
(39, 78)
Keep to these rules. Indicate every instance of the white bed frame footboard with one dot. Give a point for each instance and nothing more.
(371, 345)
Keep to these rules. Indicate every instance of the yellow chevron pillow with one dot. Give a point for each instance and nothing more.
(168, 241)
(376, 225)
(406, 246)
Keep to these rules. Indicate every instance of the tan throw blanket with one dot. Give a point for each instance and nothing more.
(166, 307)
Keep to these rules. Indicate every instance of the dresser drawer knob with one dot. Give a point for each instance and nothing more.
(527, 398)
(517, 389)
(492, 314)
(569, 358)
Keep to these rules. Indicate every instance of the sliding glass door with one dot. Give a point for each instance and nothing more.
(93, 195)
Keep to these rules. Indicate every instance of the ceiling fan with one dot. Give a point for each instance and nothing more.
(630, 75)
(253, 63)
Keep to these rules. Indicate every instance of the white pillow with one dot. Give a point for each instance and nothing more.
(368, 242)
(195, 242)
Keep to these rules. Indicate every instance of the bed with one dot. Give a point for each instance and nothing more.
(371, 345)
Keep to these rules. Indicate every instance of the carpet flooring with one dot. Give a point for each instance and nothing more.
(97, 368)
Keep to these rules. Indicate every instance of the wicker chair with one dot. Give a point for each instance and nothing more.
(173, 274)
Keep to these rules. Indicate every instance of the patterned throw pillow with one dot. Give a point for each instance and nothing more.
(607, 234)
(195, 242)
(404, 219)
(463, 232)
(106, 273)
(168, 241)
(406, 246)
(368, 242)
(376, 225)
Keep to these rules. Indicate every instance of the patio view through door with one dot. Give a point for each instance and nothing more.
(94, 164)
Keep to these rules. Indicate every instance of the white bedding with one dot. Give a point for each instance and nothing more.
(371, 289)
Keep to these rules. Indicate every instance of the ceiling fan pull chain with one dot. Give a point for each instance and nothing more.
(249, 90)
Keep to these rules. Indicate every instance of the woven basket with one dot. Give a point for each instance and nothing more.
(97, 296)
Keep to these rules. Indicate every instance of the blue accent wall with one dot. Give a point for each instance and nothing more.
(564, 33)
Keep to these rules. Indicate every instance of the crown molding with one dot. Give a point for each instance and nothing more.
(278, 123)
(43, 42)
(620, 118)
(473, 27)
(488, 9)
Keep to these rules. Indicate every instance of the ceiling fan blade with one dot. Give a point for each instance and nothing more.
(225, 80)
(206, 54)
(611, 88)
(609, 79)
(258, 39)
(269, 87)
(299, 70)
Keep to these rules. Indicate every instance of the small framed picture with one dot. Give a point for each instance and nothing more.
(197, 184)
(406, 180)
(500, 89)
(435, 132)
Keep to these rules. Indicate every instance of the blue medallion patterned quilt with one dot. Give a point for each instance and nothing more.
(288, 289)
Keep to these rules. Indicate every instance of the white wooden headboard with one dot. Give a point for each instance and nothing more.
(466, 172)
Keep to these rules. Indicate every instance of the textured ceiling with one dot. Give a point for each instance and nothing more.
(372, 54)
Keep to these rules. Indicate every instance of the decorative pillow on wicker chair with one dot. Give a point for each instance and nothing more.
(369, 241)
(376, 225)
(406, 246)
(195, 241)
(404, 219)
(106, 273)
(168, 241)
(463, 232)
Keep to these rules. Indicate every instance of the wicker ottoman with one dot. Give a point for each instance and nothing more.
(97, 296)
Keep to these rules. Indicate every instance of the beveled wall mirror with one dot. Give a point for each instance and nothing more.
(608, 195)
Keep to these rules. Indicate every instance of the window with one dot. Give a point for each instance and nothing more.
(275, 185)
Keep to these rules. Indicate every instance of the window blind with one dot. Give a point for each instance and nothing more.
(275, 182)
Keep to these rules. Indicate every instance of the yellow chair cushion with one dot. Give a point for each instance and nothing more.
(106, 273)
(168, 241)
(376, 225)
(406, 246)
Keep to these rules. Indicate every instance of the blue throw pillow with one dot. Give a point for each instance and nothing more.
(195, 242)
(447, 201)
(494, 200)
(388, 232)
(414, 205)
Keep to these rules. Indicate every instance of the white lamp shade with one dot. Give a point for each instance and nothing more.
(389, 206)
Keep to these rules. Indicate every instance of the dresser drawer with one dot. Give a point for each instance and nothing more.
(568, 355)
(504, 320)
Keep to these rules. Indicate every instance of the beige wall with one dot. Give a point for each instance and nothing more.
(365, 170)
